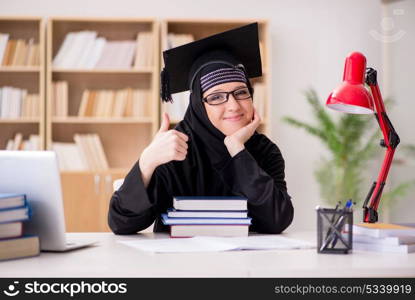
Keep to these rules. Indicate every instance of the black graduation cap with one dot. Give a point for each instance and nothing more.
(233, 47)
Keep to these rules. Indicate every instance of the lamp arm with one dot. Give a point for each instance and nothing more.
(390, 141)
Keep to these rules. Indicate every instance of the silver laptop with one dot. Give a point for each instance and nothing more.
(36, 174)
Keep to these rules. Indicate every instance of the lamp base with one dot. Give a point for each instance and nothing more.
(370, 215)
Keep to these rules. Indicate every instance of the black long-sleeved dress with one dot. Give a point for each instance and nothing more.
(257, 173)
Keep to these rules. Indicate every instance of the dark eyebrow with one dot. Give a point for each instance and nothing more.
(237, 88)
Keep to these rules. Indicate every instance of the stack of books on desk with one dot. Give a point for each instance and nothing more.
(208, 216)
(14, 210)
(382, 237)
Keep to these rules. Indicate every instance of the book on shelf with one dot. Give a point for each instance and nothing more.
(119, 103)
(259, 98)
(210, 203)
(173, 213)
(18, 143)
(87, 153)
(60, 98)
(177, 39)
(18, 103)
(177, 109)
(86, 50)
(144, 55)
(18, 52)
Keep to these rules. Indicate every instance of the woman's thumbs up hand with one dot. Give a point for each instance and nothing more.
(167, 145)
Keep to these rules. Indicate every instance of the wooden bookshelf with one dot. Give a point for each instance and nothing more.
(30, 78)
(203, 28)
(123, 138)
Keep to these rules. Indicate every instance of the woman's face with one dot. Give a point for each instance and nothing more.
(232, 115)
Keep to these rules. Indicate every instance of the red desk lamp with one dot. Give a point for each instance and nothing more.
(352, 97)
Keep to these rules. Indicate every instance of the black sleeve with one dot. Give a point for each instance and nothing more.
(269, 204)
(133, 207)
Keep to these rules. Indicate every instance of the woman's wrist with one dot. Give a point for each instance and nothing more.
(233, 146)
(146, 168)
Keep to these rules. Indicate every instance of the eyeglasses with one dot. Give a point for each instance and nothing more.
(222, 97)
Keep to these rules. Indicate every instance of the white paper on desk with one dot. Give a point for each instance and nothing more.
(195, 244)
(215, 244)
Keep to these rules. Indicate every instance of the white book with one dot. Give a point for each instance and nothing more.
(17, 141)
(4, 38)
(10, 145)
(386, 241)
(87, 50)
(103, 163)
(210, 203)
(209, 230)
(58, 61)
(77, 48)
(172, 213)
(384, 248)
(204, 221)
(99, 46)
(380, 230)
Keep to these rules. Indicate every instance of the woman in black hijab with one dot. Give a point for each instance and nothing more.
(214, 151)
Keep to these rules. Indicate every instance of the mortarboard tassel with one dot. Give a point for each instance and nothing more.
(165, 87)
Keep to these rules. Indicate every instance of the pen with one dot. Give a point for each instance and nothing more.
(347, 208)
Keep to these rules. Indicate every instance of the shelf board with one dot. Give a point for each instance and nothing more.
(20, 120)
(105, 71)
(21, 69)
(89, 120)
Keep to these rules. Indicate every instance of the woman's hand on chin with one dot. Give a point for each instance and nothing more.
(235, 142)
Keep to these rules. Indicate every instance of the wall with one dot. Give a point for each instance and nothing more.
(310, 40)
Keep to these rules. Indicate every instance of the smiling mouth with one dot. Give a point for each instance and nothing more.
(234, 118)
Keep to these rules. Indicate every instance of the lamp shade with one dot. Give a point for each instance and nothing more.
(351, 96)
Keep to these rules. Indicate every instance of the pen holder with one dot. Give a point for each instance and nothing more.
(332, 236)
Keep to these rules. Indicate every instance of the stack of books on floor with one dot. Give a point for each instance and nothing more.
(208, 216)
(14, 210)
(382, 237)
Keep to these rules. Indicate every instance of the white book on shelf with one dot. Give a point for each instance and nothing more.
(17, 141)
(29, 50)
(87, 50)
(9, 145)
(4, 38)
(77, 48)
(35, 141)
(90, 143)
(98, 48)
(59, 60)
(100, 151)
(86, 154)
(128, 54)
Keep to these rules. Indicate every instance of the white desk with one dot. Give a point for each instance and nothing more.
(111, 259)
